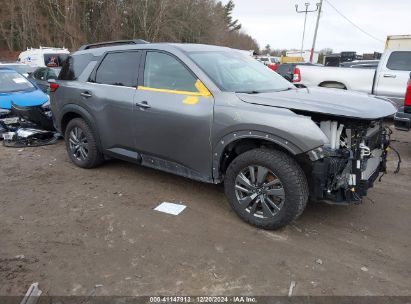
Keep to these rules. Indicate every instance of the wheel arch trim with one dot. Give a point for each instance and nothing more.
(84, 114)
(230, 138)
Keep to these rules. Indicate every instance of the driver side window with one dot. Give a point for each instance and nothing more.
(163, 71)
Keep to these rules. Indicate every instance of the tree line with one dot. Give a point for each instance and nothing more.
(71, 23)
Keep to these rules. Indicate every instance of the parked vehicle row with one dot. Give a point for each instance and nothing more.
(388, 80)
(39, 65)
(270, 61)
(215, 115)
(42, 75)
(287, 70)
(44, 57)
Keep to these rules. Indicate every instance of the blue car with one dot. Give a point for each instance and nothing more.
(16, 89)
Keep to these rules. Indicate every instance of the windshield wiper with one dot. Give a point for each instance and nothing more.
(249, 92)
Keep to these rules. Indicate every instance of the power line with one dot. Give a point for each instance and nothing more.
(346, 18)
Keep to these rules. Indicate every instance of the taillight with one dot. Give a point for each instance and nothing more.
(53, 87)
(296, 75)
(407, 100)
(272, 66)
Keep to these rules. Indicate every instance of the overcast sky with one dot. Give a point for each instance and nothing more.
(275, 22)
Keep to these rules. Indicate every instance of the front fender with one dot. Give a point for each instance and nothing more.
(295, 133)
(280, 124)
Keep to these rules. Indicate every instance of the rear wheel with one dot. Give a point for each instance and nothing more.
(266, 188)
(81, 144)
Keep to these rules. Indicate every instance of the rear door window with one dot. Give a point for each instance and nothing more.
(283, 69)
(400, 60)
(163, 71)
(120, 69)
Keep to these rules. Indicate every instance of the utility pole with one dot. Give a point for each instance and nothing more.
(319, 5)
(306, 11)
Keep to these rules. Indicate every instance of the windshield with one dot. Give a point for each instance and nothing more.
(234, 72)
(11, 81)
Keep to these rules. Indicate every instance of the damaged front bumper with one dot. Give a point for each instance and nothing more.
(343, 173)
(27, 126)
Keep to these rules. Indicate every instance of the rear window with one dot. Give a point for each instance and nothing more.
(54, 60)
(283, 68)
(400, 61)
(12, 82)
(73, 66)
(120, 69)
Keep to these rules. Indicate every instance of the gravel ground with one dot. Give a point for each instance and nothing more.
(70, 229)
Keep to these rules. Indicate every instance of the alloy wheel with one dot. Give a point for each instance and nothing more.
(78, 144)
(259, 192)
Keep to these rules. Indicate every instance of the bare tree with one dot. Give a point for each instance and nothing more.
(71, 23)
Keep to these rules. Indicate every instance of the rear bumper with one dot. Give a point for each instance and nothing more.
(402, 119)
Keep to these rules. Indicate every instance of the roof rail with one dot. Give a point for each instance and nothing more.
(111, 43)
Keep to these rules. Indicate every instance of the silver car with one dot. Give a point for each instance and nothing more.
(216, 115)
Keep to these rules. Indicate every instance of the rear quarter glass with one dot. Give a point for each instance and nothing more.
(73, 66)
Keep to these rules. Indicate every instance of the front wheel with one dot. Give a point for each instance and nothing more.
(266, 188)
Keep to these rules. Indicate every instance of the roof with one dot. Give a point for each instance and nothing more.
(184, 47)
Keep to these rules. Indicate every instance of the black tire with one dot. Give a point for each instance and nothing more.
(94, 156)
(293, 185)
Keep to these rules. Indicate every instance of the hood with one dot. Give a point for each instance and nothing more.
(22, 98)
(325, 101)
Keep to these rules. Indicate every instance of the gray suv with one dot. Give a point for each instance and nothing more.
(215, 115)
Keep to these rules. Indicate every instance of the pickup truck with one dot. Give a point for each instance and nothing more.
(388, 80)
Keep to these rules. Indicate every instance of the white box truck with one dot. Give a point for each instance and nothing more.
(398, 42)
(44, 57)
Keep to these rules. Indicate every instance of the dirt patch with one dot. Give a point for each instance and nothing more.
(77, 228)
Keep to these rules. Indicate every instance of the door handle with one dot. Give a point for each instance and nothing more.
(143, 105)
(390, 76)
(86, 94)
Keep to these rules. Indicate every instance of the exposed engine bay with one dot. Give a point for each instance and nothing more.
(349, 164)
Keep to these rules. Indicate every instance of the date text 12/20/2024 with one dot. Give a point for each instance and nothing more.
(203, 299)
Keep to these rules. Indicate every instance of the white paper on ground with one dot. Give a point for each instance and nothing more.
(170, 208)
